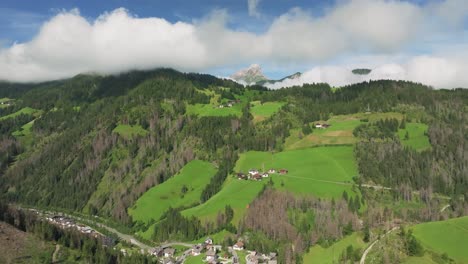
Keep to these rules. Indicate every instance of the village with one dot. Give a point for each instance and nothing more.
(167, 254)
(256, 175)
(65, 222)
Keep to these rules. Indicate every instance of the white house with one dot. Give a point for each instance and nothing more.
(238, 246)
(253, 171)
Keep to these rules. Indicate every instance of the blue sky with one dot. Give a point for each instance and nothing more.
(20, 20)
(219, 37)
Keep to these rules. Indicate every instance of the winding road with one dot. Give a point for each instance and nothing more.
(368, 249)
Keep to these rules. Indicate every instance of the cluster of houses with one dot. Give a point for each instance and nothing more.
(166, 254)
(162, 252)
(257, 175)
(68, 223)
(229, 103)
(322, 125)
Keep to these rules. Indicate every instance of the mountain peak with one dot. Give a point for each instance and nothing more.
(252, 74)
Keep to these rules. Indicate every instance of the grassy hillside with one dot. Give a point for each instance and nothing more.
(417, 137)
(318, 171)
(450, 236)
(331, 254)
(212, 110)
(25, 134)
(238, 194)
(194, 176)
(262, 111)
(24, 111)
(323, 172)
(340, 132)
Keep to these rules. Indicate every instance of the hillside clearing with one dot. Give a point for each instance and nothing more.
(417, 136)
(262, 111)
(331, 254)
(194, 176)
(24, 111)
(341, 129)
(128, 131)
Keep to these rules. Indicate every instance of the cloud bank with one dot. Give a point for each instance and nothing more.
(438, 72)
(69, 43)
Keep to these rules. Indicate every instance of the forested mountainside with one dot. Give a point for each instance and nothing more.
(109, 146)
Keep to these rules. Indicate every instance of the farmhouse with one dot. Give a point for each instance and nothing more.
(253, 171)
(241, 176)
(322, 126)
(257, 177)
(265, 175)
(208, 241)
(196, 250)
(283, 171)
(157, 251)
(169, 252)
(271, 171)
(238, 246)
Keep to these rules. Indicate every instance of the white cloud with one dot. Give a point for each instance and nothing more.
(252, 6)
(439, 72)
(69, 44)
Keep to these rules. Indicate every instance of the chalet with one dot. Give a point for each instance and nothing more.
(157, 251)
(210, 255)
(196, 250)
(208, 241)
(265, 175)
(241, 176)
(229, 105)
(169, 252)
(221, 106)
(322, 126)
(253, 171)
(257, 177)
(271, 171)
(238, 246)
(283, 171)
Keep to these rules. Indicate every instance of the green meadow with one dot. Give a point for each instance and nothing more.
(195, 175)
(450, 236)
(236, 193)
(24, 111)
(129, 131)
(417, 137)
(426, 259)
(339, 133)
(214, 110)
(25, 134)
(331, 254)
(322, 172)
(262, 111)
